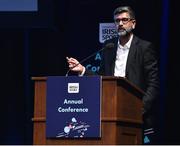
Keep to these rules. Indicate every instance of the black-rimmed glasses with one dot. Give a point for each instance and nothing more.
(123, 20)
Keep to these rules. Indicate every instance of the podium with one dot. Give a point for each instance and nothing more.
(121, 114)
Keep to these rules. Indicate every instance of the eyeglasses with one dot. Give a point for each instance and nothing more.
(123, 20)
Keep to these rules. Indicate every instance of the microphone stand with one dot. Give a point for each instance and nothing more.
(110, 45)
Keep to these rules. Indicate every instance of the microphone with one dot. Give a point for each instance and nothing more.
(107, 46)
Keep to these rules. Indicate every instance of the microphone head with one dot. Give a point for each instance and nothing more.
(109, 45)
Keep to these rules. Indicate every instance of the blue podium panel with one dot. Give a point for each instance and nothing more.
(73, 107)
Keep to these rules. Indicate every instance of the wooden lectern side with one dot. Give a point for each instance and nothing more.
(121, 114)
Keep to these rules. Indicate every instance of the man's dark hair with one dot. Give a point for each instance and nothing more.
(123, 9)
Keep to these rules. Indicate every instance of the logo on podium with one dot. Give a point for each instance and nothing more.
(73, 107)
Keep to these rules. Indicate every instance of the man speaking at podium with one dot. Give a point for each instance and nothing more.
(130, 57)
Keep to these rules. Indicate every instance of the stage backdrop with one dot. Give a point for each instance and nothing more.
(36, 43)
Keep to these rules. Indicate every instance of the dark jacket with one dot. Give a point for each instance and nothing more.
(141, 70)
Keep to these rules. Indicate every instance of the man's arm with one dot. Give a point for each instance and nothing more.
(151, 71)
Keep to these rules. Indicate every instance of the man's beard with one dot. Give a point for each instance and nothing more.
(125, 32)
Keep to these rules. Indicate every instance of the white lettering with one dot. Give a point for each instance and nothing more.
(72, 110)
(80, 101)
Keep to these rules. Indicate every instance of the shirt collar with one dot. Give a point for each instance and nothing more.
(128, 44)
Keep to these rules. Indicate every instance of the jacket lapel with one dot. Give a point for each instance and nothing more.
(131, 54)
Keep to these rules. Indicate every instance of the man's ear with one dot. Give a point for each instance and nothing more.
(134, 24)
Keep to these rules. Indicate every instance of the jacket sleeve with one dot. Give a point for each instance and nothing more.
(151, 73)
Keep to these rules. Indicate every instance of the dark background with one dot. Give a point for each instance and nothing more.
(36, 44)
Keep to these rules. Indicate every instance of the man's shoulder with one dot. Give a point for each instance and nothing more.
(141, 41)
(143, 44)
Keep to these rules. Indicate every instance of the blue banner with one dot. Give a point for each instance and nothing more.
(73, 107)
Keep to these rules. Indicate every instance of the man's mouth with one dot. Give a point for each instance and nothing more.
(121, 29)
